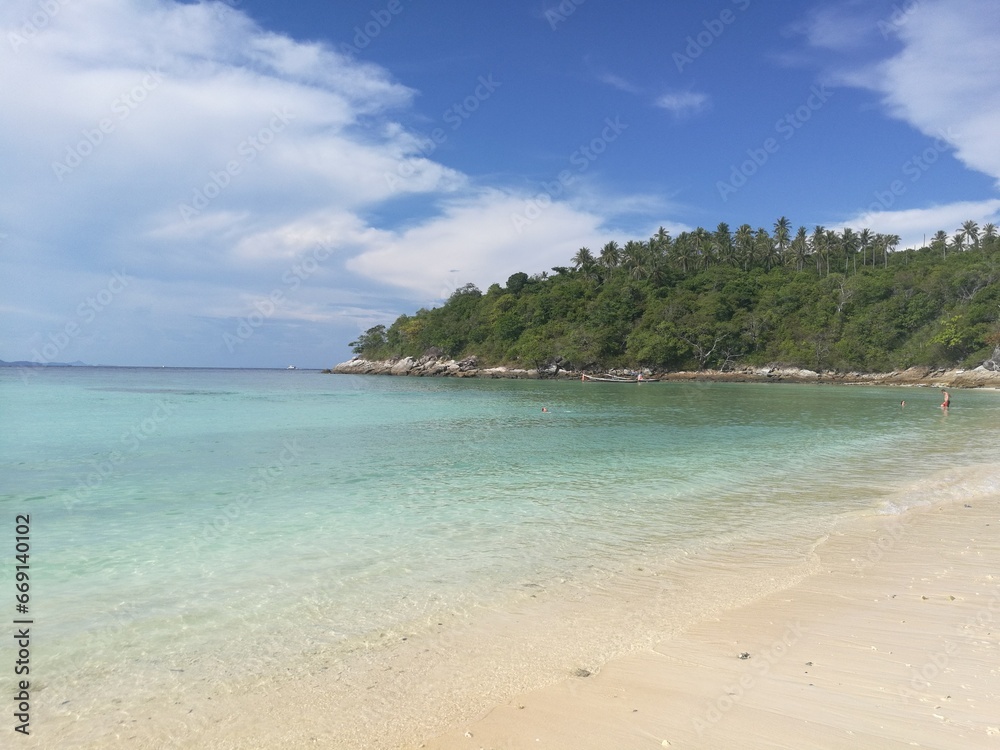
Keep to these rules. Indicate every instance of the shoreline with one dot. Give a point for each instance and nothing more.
(890, 643)
(630, 659)
(980, 377)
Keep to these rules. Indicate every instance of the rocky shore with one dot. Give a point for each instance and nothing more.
(430, 366)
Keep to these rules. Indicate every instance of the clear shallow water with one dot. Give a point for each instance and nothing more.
(237, 521)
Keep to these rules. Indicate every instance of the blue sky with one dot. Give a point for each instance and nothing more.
(252, 184)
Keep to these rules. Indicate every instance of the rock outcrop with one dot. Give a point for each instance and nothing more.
(430, 366)
(435, 366)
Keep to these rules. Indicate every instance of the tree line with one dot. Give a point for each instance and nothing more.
(848, 300)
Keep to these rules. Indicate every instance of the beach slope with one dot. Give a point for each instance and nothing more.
(894, 643)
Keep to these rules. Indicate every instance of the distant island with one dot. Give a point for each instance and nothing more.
(725, 301)
(23, 363)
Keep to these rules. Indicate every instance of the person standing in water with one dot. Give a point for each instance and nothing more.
(947, 400)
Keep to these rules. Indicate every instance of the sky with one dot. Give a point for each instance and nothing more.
(253, 184)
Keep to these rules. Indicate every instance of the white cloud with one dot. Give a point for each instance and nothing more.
(208, 156)
(915, 225)
(619, 83)
(480, 239)
(683, 103)
(945, 79)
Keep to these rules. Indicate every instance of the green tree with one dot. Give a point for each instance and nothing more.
(371, 343)
(782, 237)
(970, 230)
(610, 257)
(722, 243)
(865, 241)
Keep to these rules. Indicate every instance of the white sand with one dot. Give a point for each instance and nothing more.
(895, 642)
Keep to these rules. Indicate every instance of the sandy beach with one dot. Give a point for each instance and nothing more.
(894, 641)
(881, 634)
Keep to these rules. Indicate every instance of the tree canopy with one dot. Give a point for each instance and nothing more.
(815, 298)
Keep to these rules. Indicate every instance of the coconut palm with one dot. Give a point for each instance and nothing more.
(971, 231)
(683, 251)
(891, 242)
(703, 247)
(583, 258)
(782, 234)
(849, 241)
(818, 241)
(958, 241)
(940, 242)
(610, 256)
(865, 239)
(722, 244)
(800, 248)
(745, 245)
(633, 257)
(764, 248)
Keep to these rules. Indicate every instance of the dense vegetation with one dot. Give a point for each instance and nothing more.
(823, 300)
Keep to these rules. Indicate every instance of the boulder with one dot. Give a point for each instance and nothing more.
(402, 367)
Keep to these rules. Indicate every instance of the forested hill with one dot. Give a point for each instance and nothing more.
(823, 300)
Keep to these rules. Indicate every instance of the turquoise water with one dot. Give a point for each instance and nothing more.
(237, 520)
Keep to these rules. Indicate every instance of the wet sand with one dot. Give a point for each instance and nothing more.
(893, 642)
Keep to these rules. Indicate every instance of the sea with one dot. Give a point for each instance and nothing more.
(200, 530)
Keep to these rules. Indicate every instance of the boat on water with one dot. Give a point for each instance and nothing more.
(610, 378)
(291, 367)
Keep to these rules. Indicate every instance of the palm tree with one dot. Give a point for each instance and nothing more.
(849, 241)
(722, 244)
(971, 231)
(703, 247)
(958, 241)
(782, 233)
(654, 265)
(744, 245)
(832, 242)
(610, 256)
(583, 258)
(940, 242)
(662, 237)
(989, 233)
(633, 258)
(683, 251)
(800, 248)
(764, 247)
(585, 262)
(865, 242)
(819, 249)
(891, 241)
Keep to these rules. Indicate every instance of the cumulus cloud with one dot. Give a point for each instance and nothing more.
(943, 78)
(479, 239)
(211, 155)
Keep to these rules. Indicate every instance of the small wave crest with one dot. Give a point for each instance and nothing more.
(943, 487)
